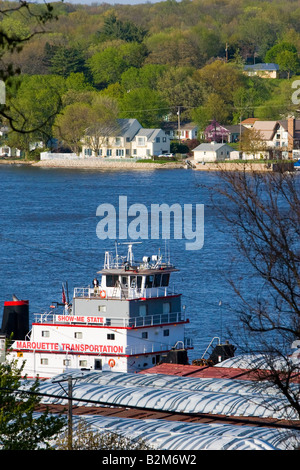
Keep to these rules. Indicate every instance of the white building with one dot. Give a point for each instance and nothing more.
(130, 140)
(212, 152)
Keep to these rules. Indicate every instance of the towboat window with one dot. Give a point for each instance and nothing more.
(135, 282)
(111, 280)
(166, 332)
(102, 308)
(165, 280)
(44, 362)
(166, 307)
(46, 334)
(82, 363)
(125, 281)
(157, 280)
(110, 336)
(143, 310)
(66, 362)
(149, 281)
(78, 335)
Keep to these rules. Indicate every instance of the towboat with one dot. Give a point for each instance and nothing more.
(128, 321)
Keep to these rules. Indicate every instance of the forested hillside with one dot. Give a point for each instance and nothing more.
(148, 61)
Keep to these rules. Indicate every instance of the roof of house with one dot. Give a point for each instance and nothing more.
(265, 67)
(173, 125)
(266, 128)
(249, 121)
(210, 147)
(149, 133)
(126, 124)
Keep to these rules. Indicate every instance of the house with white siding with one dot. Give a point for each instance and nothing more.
(212, 152)
(129, 139)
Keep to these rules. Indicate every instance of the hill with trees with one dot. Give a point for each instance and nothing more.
(151, 60)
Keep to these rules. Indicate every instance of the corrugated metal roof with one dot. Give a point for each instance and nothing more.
(177, 435)
(229, 398)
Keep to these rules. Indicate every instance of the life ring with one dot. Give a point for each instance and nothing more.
(111, 363)
(103, 294)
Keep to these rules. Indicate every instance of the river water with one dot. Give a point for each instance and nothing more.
(48, 236)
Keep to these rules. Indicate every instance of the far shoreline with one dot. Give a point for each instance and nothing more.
(103, 165)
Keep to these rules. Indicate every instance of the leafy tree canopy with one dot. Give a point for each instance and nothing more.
(20, 429)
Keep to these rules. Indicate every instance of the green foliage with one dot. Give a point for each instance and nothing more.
(107, 66)
(146, 105)
(117, 29)
(19, 428)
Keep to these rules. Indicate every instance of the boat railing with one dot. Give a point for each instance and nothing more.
(155, 347)
(122, 293)
(65, 318)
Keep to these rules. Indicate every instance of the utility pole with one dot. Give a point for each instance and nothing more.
(226, 52)
(70, 414)
(179, 131)
(69, 393)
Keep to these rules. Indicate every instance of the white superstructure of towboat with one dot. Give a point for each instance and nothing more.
(127, 322)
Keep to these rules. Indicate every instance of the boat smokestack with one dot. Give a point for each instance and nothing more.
(15, 319)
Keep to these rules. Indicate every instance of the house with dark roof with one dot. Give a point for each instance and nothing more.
(222, 133)
(262, 70)
(185, 130)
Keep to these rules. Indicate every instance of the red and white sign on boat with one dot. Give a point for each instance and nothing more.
(134, 326)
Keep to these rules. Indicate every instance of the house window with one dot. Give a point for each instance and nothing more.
(141, 140)
(108, 152)
(78, 335)
(118, 141)
(148, 153)
(134, 152)
(99, 152)
(120, 152)
(127, 139)
(111, 336)
(164, 139)
(88, 152)
(127, 152)
(157, 139)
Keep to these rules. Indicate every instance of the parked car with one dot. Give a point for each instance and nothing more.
(166, 155)
(297, 165)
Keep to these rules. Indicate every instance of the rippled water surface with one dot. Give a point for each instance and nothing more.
(48, 236)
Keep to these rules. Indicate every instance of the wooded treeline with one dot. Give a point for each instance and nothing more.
(151, 60)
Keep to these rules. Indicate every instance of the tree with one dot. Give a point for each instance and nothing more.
(146, 105)
(288, 62)
(67, 60)
(87, 438)
(117, 29)
(12, 40)
(70, 125)
(19, 428)
(34, 105)
(264, 220)
(108, 65)
(252, 143)
(102, 123)
(271, 55)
